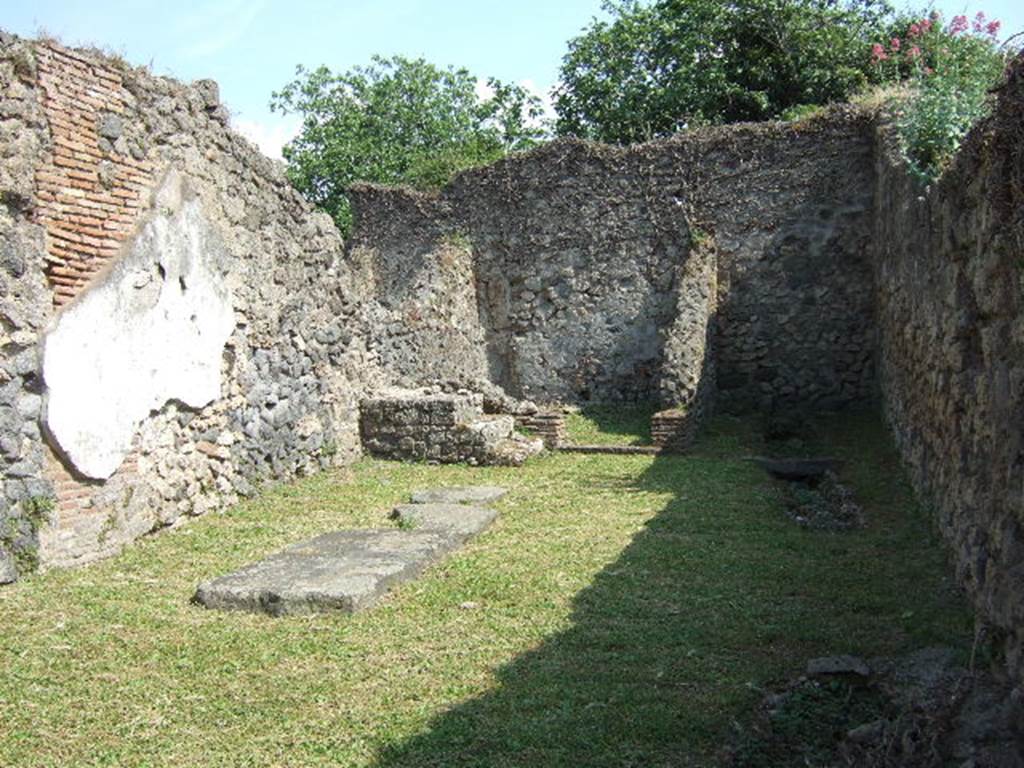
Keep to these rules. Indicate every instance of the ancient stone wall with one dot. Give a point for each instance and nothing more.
(586, 283)
(689, 378)
(25, 303)
(416, 287)
(790, 210)
(178, 325)
(579, 265)
(950, 278)
(180, 322)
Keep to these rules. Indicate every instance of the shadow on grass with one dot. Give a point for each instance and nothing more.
(612, 424)
(716, 595)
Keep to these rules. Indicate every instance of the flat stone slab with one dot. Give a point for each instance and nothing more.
(461, 494)
(456, 522)
(344, 571)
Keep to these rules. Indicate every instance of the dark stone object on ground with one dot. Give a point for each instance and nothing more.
(802, 470)
(825, 505)
(838, 665)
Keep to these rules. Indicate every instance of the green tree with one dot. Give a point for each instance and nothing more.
(397, 121)
(654, 68)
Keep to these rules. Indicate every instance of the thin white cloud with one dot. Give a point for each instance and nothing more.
(270, 137)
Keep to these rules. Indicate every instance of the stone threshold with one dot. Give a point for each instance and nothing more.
(645, 450)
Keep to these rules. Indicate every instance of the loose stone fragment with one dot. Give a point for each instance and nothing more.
(8, 571)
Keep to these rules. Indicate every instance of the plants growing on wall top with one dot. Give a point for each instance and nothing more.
(950, 68)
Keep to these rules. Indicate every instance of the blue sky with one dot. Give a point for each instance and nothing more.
(251, 47)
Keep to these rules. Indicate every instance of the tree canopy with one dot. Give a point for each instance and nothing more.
(397, 120)
(655, 68)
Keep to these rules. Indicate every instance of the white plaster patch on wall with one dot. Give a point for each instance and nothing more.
(151, 331)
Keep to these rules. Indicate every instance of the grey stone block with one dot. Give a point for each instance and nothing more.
(798, 469)
(456, 522)
(838, 665)
(461, 494)
(8, 570)
(344, 571)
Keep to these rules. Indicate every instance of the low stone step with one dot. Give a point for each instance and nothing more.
(459, 494)
(645, 450)
(457, 522)
(345, 571)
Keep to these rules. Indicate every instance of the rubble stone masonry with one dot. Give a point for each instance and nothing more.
(778, 266)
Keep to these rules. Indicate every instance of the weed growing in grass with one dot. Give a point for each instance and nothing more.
(406, 523)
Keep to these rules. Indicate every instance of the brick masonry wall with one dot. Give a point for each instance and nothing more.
(93, 185)
(91, 140)
(91, 191)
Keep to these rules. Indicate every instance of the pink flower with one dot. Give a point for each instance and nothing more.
(914, 31)
(878, 53)
(958, 25)
(992, 28)
(929, 71)
(979, 22)
(914, 52)
(926, 25)
(895, 43)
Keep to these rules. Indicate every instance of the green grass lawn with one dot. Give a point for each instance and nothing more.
(604, 424)
(622, 611)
